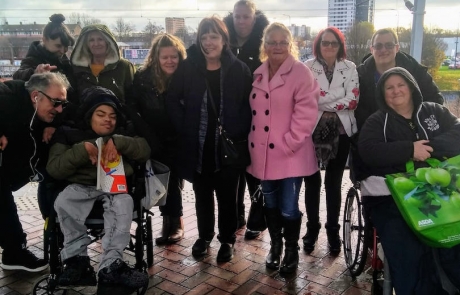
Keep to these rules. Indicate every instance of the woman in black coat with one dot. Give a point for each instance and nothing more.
(148, 98)
(190, 104)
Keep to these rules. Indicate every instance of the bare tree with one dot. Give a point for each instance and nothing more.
(358, 37)
(82, 18)
(152, 29)
(122, 28)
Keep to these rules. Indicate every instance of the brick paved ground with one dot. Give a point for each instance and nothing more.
(176, 271)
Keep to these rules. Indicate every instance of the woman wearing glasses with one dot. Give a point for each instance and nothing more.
(338, 80)
(284, 103)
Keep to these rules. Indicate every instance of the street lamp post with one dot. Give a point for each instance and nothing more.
(416, 41)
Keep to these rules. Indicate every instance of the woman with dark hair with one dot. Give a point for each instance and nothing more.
(406, 128)
(49, 53)
(338, 80)
(148, 98)
(246, 27)
(210, 84)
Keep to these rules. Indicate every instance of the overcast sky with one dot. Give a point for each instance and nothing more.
(389, 13)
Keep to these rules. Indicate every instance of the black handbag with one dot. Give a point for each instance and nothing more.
(233, 153)
(256, 217)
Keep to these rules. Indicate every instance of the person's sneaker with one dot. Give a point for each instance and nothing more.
(225, 253)
(200, 247)
(120, 273)
(77, 272)
(22, 259)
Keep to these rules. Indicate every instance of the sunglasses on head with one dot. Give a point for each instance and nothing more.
(388, 45)
(56, 102)
(334, 44)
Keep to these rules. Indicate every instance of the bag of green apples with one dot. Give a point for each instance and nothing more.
(429, 200)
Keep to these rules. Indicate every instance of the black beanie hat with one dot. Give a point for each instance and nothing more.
(95, 102)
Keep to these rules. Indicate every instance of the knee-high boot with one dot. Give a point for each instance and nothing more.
(333, 238)
(274, 224)
(291, 252)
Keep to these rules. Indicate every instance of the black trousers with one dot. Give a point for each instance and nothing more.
(332, 184)
(12, 235)
(173, 206)
(225, 184)
(252, 182)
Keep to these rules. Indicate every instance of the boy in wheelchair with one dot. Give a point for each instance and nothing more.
(73, 158)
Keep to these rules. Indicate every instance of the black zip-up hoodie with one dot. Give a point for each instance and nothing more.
(386, 139)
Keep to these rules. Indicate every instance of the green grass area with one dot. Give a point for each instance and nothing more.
(447, 79)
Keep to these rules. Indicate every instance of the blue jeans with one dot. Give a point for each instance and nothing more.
(284, 195)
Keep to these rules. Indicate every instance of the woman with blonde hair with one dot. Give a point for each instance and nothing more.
(148, 99)
(96, 61)
(284, 103)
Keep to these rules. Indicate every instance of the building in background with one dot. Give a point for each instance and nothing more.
(344, 13)
(174, 25)
(300, 31)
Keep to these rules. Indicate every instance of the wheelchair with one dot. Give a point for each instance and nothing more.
(360, 240)
(141, 241)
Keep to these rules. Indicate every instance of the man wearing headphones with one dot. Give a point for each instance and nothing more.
(26, 109)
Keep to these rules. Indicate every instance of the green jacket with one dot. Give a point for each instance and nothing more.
(118, 73)
(72, 163)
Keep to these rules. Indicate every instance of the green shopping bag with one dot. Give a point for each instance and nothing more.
(429, 200)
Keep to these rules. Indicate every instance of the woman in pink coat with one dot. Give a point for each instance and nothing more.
(284, 103)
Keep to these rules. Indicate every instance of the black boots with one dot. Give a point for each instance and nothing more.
(310, 238)
(274, 224)
(172, 230)
(333, 238)
(163, 239)
(176, 230)
(291, 252)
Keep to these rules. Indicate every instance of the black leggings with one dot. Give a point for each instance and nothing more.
(332, 183)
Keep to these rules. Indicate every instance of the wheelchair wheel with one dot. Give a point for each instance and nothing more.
(149, 241)
(355, 242)
(47, 285)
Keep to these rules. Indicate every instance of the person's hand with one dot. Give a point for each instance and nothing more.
(91, 149)
(42, 68)
(109, 153)
(48, 133)
(422, 151)
(3, 142)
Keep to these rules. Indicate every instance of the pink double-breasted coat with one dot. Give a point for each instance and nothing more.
(284, 113)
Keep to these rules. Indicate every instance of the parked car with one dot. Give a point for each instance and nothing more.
(454, 65)
(446, 62)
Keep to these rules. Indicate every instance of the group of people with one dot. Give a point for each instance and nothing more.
(241, 78)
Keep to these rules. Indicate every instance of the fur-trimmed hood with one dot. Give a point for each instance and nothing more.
(82, 57)
(249, 52)
(257, 31)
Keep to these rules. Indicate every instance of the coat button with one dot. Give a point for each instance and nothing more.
(267, 112)
(252, 144)
(254, 112)
(271, 145)
(266, 128)
(253, 127)
(266, 95)
(253, 95)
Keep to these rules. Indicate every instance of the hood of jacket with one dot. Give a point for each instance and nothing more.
(80, 57)
(257, 32)
(417, 97)
(196, 57)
